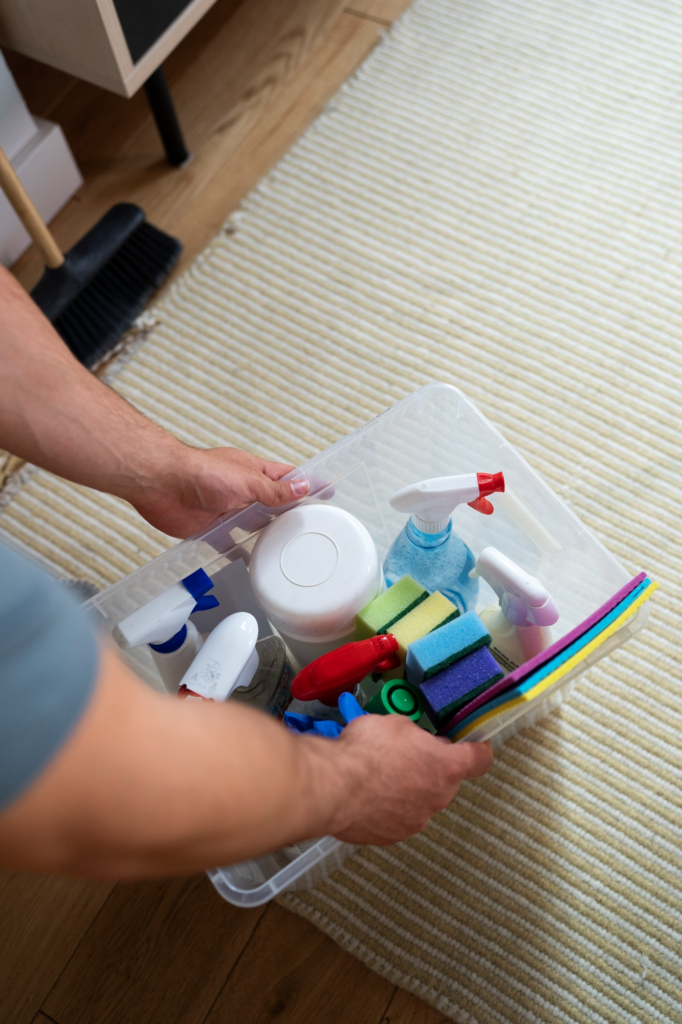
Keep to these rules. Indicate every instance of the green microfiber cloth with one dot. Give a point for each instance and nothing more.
(379, 615)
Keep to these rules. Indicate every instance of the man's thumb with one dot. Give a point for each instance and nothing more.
(472, 759)
(276, 493)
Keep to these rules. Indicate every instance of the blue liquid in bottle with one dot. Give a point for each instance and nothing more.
(439, 561)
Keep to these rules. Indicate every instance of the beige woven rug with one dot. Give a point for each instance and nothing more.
(495, 201)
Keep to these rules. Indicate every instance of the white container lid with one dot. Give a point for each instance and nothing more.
(313, 569)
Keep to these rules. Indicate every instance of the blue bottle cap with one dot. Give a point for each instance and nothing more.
(174, 644)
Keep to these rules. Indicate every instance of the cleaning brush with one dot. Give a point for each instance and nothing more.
(93, 294)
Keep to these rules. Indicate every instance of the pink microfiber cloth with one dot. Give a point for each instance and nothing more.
(523, 671)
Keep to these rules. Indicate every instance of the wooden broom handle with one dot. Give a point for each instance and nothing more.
(28, 215)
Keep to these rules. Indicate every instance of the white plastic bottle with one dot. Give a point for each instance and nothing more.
(520, 623)
(175, 656)
(234, 664)
(228, 659)
(163, 623)
(312, 570)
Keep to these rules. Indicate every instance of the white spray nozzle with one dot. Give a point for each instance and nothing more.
(227, 660)
(432, 502)
(161, 618)
(523, 599)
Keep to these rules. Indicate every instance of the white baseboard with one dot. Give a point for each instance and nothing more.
(49, 174)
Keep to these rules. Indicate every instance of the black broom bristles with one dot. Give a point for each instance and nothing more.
(106, 281)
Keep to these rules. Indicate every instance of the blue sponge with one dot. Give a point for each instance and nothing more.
(458, 684)
(445, 645)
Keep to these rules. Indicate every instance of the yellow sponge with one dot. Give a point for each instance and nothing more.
(381, 613)
(435, 611)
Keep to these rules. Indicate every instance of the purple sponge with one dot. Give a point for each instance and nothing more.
(432, 653)
(459, 683)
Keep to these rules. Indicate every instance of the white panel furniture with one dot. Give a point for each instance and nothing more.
(116, 44)
(41, 157)
(86, 38)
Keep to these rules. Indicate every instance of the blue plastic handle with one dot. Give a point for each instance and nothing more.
(349, 707)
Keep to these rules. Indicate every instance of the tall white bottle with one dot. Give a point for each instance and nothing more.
(520, 623)
(163, 623)
(228, 660)
(174, 657)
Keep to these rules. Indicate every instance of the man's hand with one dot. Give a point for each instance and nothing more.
(149, 785)
(58, 415)
(204, 484)
(400, 776)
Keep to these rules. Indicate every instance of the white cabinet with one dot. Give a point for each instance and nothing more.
(41, 157)
(116, 44)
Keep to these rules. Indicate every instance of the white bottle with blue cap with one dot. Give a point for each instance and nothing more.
(163, 623)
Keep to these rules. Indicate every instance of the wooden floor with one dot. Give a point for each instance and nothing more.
(246, 82)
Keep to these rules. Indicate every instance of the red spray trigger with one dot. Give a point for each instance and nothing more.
(488, 483)
(326, 678)
(482, 505)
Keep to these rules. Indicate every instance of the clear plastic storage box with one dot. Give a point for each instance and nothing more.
(434, 432)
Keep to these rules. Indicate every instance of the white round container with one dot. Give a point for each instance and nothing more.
(312, 570)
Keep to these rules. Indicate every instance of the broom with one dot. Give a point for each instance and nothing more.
(93, 294)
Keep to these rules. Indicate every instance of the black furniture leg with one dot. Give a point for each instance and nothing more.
(161, 103)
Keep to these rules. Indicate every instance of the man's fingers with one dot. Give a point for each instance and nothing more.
(472, 759)
(275, 493)
(275, 470)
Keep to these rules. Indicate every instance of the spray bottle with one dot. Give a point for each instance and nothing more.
(164, 624)
(227, 660)
(427, 549)
(520, 624)
(233, 663)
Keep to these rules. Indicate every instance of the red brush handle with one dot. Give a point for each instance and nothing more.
(340, 671)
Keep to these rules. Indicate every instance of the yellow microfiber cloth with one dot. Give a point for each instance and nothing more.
(529, 691)
(435, 611)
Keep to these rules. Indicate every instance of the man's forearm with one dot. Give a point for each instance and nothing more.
(148, 785)
(58, 415)
(151, 786)
(55, 413)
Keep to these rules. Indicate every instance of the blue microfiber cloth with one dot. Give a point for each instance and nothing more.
(465, 719)
(306, 723)
(432, 653)
(459, 683)
(562, 649)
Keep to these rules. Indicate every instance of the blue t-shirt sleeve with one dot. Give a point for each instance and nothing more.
(48, 666)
